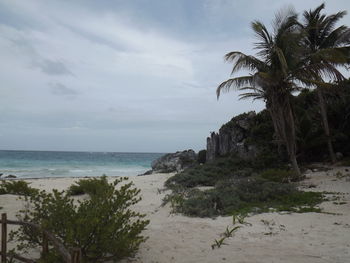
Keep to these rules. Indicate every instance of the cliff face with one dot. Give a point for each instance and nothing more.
(174, 162)
(232, 138)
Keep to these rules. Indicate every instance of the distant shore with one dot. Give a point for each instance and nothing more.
(272, 237)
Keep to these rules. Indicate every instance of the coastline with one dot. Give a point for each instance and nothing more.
(272, 237)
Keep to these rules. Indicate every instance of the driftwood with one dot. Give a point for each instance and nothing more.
(69, 257)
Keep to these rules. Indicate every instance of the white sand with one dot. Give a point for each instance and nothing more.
(308, 237)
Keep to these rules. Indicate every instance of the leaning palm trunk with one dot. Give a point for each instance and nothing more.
(291, 138)
(278, 140)
(283, 119)
(324, 117)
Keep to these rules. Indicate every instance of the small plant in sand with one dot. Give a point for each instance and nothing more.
(218, 243)
(17, 188)
(103, 226)
(240, 219)
(230, 231)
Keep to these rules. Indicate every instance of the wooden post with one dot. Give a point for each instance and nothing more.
(3, 237)
(76, 255)
(45, 246)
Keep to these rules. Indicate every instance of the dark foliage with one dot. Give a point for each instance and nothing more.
(311, 138)
(202, 156)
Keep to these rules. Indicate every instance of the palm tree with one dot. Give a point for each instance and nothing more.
(325, 44)
(272, 76)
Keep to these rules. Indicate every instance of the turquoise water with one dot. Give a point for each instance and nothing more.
(38, 164)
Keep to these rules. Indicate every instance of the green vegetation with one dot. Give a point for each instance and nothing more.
(208, 174)
(16, 188)
(218, 242)
(223, 168)
(278, 175)
(229, 231)
(103, 226)
(236, 190)
(91, 186)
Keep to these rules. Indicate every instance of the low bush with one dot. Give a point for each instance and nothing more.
(17, 188)
(91, 186)
(242, 196)
(103, 226)
(278, 175)
(209, 173)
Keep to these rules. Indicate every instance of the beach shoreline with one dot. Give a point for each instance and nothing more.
(271, 237)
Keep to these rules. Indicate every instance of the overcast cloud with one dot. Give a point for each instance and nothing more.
(123, 75)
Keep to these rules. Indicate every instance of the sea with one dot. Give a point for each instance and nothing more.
(40, 164)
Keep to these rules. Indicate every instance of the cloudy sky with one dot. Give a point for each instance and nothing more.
(136, 75)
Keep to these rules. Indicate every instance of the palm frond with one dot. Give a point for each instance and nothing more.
(251, 95)
(335, 56)
(310, 15)
(265, 41)
(317, 71)
(330, 22)
(319, 83)
(243, 61)
(338, 37)
(234, 83)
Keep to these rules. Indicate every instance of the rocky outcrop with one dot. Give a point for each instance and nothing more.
(232, 138)
(11, 176)
(174, 162)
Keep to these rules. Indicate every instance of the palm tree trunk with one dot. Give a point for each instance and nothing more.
(277, 138)
(295, 166)
(291, 138)
(323, 109)
(283, 118)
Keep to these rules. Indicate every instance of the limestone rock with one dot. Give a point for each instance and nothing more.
(231, 138)
(11, 176)
(174, 162)
(146, 173)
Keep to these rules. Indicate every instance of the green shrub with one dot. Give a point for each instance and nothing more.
(245, 195)
(209, 173)
(16, 188)
(278, 175)
(103, 226)
(91, 186)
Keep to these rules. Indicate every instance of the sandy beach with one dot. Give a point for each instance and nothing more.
(271, 237)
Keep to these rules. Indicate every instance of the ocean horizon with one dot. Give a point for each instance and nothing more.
(43, 164)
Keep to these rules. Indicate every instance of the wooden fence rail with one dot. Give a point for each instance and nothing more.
(72, 256)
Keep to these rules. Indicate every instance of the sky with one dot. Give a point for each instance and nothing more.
(124, 76)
